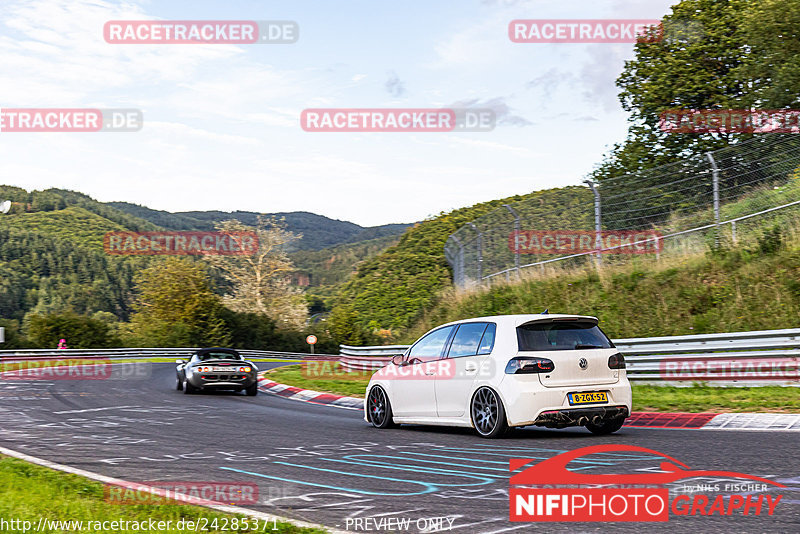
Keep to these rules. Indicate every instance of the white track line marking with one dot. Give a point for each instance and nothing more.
(96, 409)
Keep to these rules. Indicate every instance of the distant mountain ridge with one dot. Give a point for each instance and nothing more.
(318, 231)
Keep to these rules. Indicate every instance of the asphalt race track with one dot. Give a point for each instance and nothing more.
(326, 465)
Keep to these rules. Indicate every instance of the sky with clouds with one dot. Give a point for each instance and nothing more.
(221, 122)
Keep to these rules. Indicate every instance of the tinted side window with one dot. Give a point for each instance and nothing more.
(467, 340)
(430, 347)
(487, 343)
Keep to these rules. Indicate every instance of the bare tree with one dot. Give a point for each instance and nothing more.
(261, 282)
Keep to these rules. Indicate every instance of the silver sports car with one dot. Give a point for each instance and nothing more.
(217, 368)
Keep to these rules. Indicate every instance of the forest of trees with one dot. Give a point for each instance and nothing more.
(56, 282)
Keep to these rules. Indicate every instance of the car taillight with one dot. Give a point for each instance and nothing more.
(204, 369)
(244, 369)
(616, 361)
(522, 365)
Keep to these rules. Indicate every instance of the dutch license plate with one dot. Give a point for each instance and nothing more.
(595, 397)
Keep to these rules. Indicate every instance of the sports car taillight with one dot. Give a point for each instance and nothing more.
(244, 369)
(524, 365)
(204, 369)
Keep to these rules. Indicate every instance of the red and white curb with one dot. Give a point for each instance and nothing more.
(772, 422)
(309, 395)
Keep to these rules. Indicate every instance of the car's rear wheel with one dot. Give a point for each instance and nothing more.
(188, 389)
(488, 414)
(179, 384)
(379, 408)
(607, 427)
(252, 391)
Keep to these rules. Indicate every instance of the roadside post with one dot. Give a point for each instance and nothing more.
(311, 340)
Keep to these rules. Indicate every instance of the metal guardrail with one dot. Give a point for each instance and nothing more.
(20, 355)
(757, 358)
(766, 357)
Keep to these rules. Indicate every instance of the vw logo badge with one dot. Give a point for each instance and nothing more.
(583, 363)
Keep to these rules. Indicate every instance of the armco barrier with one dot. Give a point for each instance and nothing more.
(766, 357)
(759, 358)
(11, 356)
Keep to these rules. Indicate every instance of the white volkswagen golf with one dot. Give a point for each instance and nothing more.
(492, 373)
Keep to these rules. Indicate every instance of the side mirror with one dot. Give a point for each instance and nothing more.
(398, 360)
(181, 361)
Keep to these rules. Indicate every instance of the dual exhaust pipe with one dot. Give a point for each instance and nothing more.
(584, 420)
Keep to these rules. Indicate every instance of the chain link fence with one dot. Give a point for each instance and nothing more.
(725, 197)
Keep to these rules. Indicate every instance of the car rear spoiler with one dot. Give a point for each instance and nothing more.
(557, 319)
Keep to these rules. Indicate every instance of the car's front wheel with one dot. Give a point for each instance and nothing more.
(488, 414)
(606, 427)
(379, 408)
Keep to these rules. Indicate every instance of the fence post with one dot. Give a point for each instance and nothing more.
(458, 268)
(715, 185)
(516, 236)
(598, 225)
(480, 252)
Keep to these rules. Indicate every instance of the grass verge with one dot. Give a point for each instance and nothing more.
(322, 376)
(331, 378)
(29, 492)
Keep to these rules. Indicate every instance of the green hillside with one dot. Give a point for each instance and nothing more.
(42, 273)
(332, 266)
(164, 219)
(51, 200)
(752, 287)
(390, 291)
(318, 232)
(74, 224)
(52, 259)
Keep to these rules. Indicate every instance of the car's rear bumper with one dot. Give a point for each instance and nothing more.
(581, 416)
(531, 404)
(199, 381)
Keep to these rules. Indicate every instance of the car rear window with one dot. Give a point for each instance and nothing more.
(561, 335)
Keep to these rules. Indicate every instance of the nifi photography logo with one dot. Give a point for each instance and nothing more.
(548, 491)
